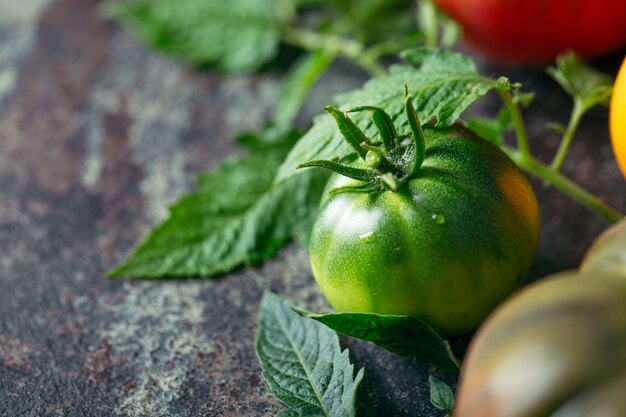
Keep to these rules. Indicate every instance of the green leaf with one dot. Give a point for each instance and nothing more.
(441, 395)
(236, 217)
(402, 335)
(378, 20)
(234, 36)
(522, 98)
(303, 363)
(301, 77)
(491, 129)
(443, 85)
(583, 83)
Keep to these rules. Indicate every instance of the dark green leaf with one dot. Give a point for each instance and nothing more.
(236, 217)
(442, 84)
(233, 36)
(441, 395)
(402, 335)
(583, 83)
(303, 363)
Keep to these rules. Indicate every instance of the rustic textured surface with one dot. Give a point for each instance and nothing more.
(98, 134)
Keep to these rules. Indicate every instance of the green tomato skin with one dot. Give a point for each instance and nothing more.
(555, 349)
(447, 247)
(608, 252)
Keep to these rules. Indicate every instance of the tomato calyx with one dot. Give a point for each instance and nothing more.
(387, 166)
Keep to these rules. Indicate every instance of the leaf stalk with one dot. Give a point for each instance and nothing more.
(563, 184)
(517, 120)
(334, 45)
(568, 135)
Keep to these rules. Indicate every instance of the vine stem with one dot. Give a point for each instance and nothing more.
(517, 120)
(577, 114)
(334, 45)
(524, 159)
(562, 183)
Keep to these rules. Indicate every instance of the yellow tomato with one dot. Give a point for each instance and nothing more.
(617, 119)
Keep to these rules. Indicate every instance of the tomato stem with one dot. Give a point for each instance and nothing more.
(334, 45)
(383, 123)
(550, 174)
(517, 120)
(563, 184)
(364, 148)
(351, 133)
(359, 174)
(568, 135)
(428, 20)
(419, 140)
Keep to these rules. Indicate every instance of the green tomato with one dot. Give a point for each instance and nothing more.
(447, 247)
(608, 252)
(555, 349)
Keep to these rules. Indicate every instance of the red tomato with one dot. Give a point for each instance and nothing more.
(536, 31)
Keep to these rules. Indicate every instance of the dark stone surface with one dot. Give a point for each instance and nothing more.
(98, 134)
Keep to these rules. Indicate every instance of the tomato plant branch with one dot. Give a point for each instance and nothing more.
(428, 20)
(517, 120)
(562, 183)
(334, 45)
(568, 135)
(549, 174)
(391, 47)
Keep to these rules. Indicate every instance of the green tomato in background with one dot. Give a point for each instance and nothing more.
(454, 240)
(608, 252)
(555, 349)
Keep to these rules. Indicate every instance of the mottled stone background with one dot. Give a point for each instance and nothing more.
(98, 135)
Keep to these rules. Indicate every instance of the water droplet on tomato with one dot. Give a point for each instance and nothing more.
(366, 237)
(419, 198)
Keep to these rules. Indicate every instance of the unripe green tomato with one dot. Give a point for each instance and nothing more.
(608, 252)
(556, 349)
(446, 247)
